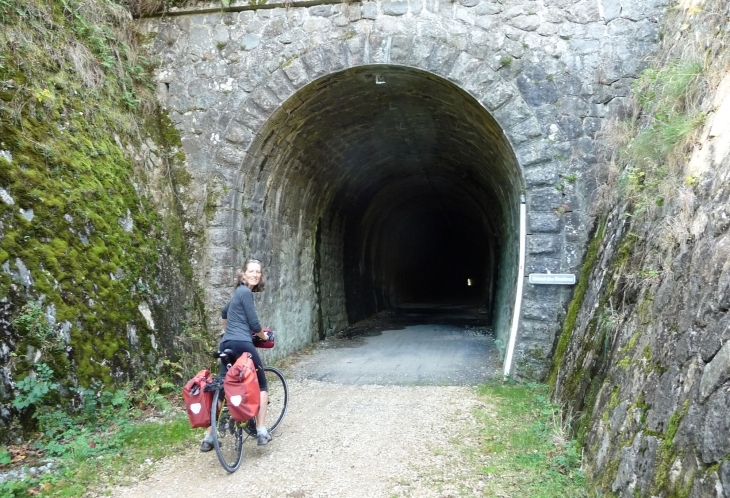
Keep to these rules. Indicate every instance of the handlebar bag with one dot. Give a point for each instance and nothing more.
(241, 386)
(267, 343)
(197, 400)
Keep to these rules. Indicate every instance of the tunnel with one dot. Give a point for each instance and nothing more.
(406, 188)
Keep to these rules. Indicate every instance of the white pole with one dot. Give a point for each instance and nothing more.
(518, 292)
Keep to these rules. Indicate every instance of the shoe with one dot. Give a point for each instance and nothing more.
(263, 439)
(206, 446)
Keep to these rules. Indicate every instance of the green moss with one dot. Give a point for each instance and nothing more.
(608, 476)
(576, 303)
(211, 203)
(181, 176)
(625, 362)
(169, 135)
(632, 342)
(64, 134)
(584, 421)
(645, 308)
(624, 252)
(683, 491)
(646, 354)
(666, 454)
(615, 398)
(613, 402)
(642, 405)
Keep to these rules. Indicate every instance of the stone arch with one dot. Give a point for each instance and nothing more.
(516, 127)
(314, 180)
(549, 73)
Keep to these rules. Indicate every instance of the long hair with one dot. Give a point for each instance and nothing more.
(240, 280)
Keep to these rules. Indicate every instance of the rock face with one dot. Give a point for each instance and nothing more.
(647, 365)
(95, 289)
(330, 140)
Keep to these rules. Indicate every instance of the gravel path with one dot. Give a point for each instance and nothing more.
(341, 441)
(364, 420)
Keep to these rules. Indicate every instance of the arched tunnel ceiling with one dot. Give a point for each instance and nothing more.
(350, 139)
(412, 167)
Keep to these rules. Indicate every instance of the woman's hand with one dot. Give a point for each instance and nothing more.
(264, 334)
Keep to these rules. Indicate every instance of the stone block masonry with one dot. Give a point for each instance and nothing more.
(544, 74)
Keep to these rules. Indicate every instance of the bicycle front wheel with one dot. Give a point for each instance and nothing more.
(278, 397)
(227, 434)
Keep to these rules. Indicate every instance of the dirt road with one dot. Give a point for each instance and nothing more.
(347, 439)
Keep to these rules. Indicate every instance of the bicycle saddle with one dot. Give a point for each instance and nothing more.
(227, 353)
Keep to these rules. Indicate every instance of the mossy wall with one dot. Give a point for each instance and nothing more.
(89, 223)
(643, 366)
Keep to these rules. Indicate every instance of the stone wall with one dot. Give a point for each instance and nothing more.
(647, 367)
(546, 74)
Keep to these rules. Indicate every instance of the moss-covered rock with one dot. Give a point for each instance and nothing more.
(659, 285)
(84, 245)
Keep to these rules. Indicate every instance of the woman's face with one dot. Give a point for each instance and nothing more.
(252, 275)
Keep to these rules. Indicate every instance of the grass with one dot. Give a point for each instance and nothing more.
(514, 443)
(527, 444)
(120, 452)
(658, 144)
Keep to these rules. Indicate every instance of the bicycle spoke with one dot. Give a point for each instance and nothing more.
(228, 434)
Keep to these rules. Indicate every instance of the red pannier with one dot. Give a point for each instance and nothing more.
(241, 386)
(197, 400)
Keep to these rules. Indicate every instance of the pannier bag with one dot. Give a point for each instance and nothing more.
(197, 400)
(241, 386)
(264, 343)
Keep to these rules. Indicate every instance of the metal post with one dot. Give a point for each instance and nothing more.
(518, 293)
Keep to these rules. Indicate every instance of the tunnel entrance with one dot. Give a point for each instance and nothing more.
(428, 251)
(407, 185)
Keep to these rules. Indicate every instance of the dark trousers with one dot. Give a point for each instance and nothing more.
(239, 348)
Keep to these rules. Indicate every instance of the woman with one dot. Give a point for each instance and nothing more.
(240, 321)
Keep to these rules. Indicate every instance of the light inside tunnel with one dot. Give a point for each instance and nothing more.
(407, 190)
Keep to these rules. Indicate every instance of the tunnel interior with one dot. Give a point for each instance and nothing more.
(404, 185)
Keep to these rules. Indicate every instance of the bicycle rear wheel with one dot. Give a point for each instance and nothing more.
(278, 397)
(227, 434)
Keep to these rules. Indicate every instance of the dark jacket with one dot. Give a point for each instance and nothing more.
(241, 316)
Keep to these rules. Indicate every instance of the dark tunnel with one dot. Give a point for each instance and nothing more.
(408, 182)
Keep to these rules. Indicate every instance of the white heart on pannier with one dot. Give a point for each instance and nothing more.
(236, 400)
(195, 408)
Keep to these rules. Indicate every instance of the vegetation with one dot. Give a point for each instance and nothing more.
(649, 180)
(576, 303)
(655, 152)
(520, 446)
(84, 251)
(155, 7)
(528, 444)
(84, 450)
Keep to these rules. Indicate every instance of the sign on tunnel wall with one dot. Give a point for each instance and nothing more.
(551, 278)
(266, 174)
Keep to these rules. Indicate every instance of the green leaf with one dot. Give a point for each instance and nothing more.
(5, 458)
(119, 398)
